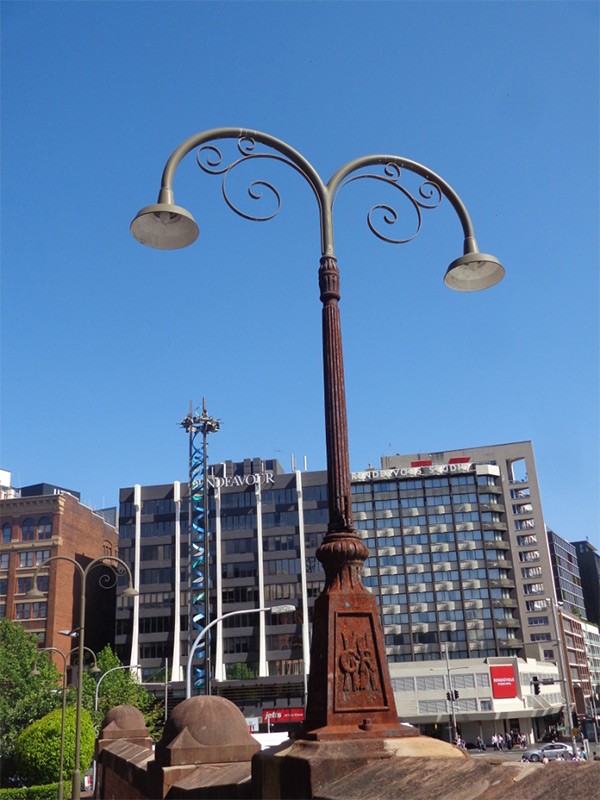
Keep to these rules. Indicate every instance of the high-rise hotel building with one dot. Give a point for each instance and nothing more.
(459, 559)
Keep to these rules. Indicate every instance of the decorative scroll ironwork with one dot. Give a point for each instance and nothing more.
(210, 160)
(428, 191)
(428, 196)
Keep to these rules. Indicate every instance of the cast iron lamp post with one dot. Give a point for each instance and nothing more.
(349, 690)
(118, 566)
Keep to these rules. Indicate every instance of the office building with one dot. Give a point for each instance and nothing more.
(588, 559)
(565, 569)
(459, 560)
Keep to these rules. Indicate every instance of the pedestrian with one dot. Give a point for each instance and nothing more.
(494, 741)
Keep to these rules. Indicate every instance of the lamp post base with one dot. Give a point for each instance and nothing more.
(349, 692)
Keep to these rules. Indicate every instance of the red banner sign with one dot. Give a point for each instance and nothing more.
(275, 715)
(504, 683)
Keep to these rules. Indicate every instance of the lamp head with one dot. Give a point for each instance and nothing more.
(164, 226)
(282, 609)
(130, 592)
(473, 272)
(35, 673)
(95, 669)
(34, 593)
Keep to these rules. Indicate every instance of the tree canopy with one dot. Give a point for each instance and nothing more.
(37, 749)
(23, 697)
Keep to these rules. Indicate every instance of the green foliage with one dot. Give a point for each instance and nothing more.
(37, 750)
(48, 792)
(23, 697)
(240, 672)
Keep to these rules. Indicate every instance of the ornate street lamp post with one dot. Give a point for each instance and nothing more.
(119, 567)
(349, 690)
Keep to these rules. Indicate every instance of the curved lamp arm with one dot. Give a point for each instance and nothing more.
(167, 226)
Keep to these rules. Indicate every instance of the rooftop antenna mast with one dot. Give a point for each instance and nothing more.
(198, 426)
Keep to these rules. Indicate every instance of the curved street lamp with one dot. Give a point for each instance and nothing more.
(190, 660)
(349, 691)
(119, 567)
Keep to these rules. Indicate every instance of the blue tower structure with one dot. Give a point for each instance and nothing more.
(198, 426)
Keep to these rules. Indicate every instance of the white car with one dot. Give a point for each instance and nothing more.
(551, 751)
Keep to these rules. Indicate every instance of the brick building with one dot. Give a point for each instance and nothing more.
(40, 522)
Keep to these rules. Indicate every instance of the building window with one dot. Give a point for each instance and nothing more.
(540, 637)
(485, 705)
(30, 610)
(533, 588)
(403, 684)
(33, 558)
(4, 559)
(44, 528)
(27, 530)
(430, 683)
(538, 620)
(6, 533)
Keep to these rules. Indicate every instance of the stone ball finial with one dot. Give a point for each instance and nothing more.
(205, 729)
(125, 718)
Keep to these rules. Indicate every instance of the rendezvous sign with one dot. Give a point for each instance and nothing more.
(504, 681)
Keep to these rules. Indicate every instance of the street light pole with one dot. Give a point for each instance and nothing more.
(118, 566)
(201, 635)
(35, 671)
(349, 693)
(451, 698)
(551, 602)
(104, 674)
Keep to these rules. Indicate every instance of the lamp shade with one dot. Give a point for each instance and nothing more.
(164, 226)
(473, 272)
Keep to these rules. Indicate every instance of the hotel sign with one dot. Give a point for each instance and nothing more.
(412, 472)
(504, 682)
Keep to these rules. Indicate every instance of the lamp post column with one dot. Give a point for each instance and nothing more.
(349, 688)
(76, 786)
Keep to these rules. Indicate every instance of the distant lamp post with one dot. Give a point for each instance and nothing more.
(349, 691)
(119, 567)
(188, 673)
(35, 672)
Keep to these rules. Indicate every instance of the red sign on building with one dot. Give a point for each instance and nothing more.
(504, 683)
(274, 715)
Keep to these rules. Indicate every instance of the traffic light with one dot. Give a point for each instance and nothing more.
(536, 685)
(448, 695)
(456, 695)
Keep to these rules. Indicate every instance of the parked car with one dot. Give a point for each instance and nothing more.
(552, 751)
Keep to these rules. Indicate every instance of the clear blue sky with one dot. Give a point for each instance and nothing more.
(105, 342)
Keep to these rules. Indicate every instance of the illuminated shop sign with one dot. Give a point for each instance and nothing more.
(263, 478)
(412, 472)
(504, 682)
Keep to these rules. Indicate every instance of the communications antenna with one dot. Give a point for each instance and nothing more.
(198, 426)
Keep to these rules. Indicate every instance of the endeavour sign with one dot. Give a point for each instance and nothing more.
(241, 480)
